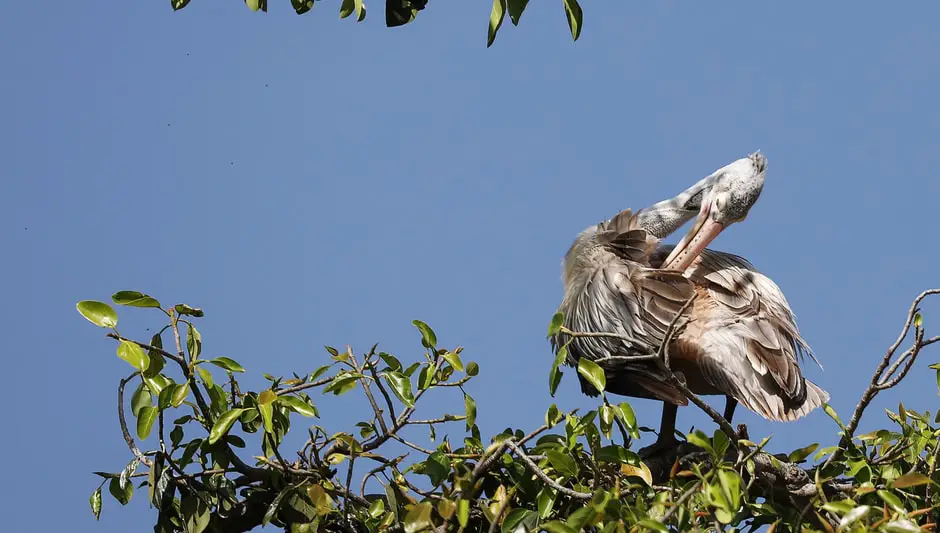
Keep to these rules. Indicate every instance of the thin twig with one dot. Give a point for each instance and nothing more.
(543, 476)
(872, 390)
(445, 418)
(304, 386)
(127, 435)
(365, 387)
(685, 496)
(383, 390)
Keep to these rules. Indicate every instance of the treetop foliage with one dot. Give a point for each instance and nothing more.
(401, 12)
(192, 424)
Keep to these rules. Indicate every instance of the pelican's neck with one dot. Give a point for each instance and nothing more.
(663, 218)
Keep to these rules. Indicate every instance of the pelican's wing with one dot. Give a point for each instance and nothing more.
(613, 290)
(751, 345)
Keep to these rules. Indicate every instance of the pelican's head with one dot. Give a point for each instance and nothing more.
(730, 193)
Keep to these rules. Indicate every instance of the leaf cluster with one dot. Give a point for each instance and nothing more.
(570, 472)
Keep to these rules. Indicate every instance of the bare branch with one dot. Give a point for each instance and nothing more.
(127, 435)
(876, 382)
(543, 476)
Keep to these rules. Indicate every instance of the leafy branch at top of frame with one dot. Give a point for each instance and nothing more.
(401, 12)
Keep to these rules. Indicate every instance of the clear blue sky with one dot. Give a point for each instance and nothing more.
(311, 181)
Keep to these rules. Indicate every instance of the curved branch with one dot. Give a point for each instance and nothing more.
(127, 435)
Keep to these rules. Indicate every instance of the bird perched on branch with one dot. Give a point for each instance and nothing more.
(737, 338)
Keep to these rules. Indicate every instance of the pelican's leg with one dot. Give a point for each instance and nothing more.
(667, 432)
(730, 404)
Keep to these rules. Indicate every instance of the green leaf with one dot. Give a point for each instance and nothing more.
(554, 379)
(145, 421)
(176, 436)
(377, 508)
(655, 525)
(193, 342)
(418, 518)
(852, 516)
(95, 502)
(195, 513)
(98, 313)
(516, 7)
(347, 8)
(401, 386)
(628, 417)
(470, 406)
(122, 495)
(343, 383)
(134, 299)
(298, 405)
(558, 319)
(901, 526)
(179, 393)
(472, 369)
(463, 512)
(183, 309)
(573, 12)
(832, 414)
(454, 361)
(496, 20)
(918, 320)
(223, 424)
(360, 11)
(520, 517)
(178, 4)
(205, 375)
(552, 416)
(255, 5)
(228, 364)
(593, 373)
(562, 463)
(557, 526)
(546, 501)
(134, 355)
(428, 339)
(912, 479)
(266, 408)
(731, 488)
(141, 398)
(400, 12)
(156, 358)
(437, 467)
(699, 439)
(797, 456)
(893, 501)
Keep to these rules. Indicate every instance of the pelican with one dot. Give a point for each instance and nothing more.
(739, 337)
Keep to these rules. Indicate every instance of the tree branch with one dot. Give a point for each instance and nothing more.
(127, 435)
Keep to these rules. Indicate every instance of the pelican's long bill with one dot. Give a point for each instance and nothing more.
(703, 232)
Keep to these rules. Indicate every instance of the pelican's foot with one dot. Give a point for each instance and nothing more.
(662, 445)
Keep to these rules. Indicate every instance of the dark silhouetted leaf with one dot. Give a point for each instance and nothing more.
(573, 12)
